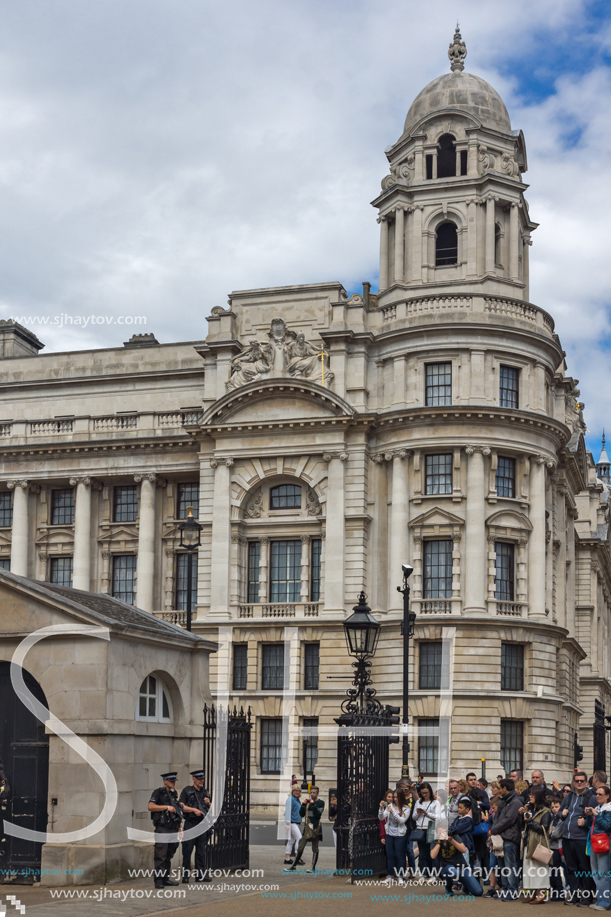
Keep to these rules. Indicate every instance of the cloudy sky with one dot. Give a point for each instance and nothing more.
(156, 154)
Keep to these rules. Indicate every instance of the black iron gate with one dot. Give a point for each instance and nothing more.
(600, 738)
(362, 777)
(24, 749)
(227, 846)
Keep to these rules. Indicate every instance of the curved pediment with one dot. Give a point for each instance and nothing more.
(510, 519)
(276, 400)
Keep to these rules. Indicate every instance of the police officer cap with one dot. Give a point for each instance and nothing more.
(199, 773)
(169, 776)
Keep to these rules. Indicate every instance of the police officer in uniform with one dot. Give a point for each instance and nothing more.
(195, 801)
(167, 817)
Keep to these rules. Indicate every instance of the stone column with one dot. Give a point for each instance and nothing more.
(221, 538)
(514, 238)
(19, 543)
(475, 532)
(263, 566)
(383, 253)
(399, 243)
(471, 237)
(399, 518)
(146, 541)
(536, 546)
(490, 228)
(305, 568)
(416, 274)
(335, 533)
(81, 572)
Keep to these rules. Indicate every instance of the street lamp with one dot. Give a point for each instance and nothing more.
(409, 621)
(362, 633)
(190, 532)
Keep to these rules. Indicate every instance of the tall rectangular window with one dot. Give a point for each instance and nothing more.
(254, 563)
(509, 387)
(463, 162)
(124, 577)
(125, 499)
(312, 665)
(5, 563)
(272, 658)
(310, 743)
(438, 569)
(438, 470)
(61, 571)
(506, 477)
(429, 166)
(271, 746)
(285, 571)
(6, 510)
(62, 507)
(512, 745)
(438, 383)
(505, 575)
(430, 666)
(240, 666)
(428, 748)
(188, 495)
(315, 570)
(512, 667)
(182, 578)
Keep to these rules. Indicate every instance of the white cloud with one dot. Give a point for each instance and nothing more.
(155, 156)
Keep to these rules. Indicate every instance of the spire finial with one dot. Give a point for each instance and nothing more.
(603, 437)
(457, 51)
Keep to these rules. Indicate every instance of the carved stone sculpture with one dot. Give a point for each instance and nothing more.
(510, 166)
(286, 353)
(250, 365)
(457, 52)
(303, 360)
(486, 158)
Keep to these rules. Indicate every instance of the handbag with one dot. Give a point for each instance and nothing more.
(599, 842)
(542, 854)
(417, 834)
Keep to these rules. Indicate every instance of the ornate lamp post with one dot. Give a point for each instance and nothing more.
(362, 634)
(190, 532)
(409, 621)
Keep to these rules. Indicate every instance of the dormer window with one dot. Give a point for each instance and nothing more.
(285, 496)
(446, 156)
(446, 245)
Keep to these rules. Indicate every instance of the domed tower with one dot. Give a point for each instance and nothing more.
(603, 465)
(453, 216)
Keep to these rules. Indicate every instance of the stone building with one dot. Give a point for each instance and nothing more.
(324, 439)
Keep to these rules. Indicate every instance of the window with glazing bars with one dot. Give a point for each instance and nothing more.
(438, 470)
(509, 387)
(438, 569)
(271, 746)
(285, 571)
(272, 658)
(315, 570)
(188, 495)
(5, 563)
(182, 574)
(124, 577)
(62, 507)
(512, 745)
(61, 571)
(254, 566)
(504, 575)
(428, 748)
(512, 667)
(311, 757)
(6, 510)
(285, 496)
(125, 499)
(240, 666)
(430, 666)
(506, 477)
(438, 383)
(312, 663)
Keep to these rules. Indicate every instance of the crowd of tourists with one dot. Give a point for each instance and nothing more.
(524, 840)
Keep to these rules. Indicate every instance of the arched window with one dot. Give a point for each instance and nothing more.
(446, 156)
(497, 245)
(446, 245)
(154, 704)
(285, 496)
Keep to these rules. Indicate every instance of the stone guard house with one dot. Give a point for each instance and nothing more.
(136, 699)
(446, 432)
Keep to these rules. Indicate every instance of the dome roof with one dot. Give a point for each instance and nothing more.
(463, 92)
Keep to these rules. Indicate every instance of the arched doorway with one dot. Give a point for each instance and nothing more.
(24, 749)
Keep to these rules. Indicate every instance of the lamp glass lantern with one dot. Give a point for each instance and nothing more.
(190, 532)
(362, 630)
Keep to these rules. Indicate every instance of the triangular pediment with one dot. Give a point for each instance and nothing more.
(436, 516)
(276, 400)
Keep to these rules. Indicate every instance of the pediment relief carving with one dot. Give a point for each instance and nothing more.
(276, 400)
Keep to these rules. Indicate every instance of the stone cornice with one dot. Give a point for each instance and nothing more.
(106, 380)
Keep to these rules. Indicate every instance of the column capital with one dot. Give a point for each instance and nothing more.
(24, 484)
(152, 477)
(543, 460)
(215, 462)
(306, 539)
(485, 450)
(264, 540)
(328, 456)
(87, 481)
(391, 454)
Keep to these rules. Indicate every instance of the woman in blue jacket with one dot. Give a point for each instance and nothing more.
(600, 818)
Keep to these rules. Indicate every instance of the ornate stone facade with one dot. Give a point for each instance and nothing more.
(447, 423)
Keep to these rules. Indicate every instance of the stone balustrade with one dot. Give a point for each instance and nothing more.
(175, 617)
(280, 610)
